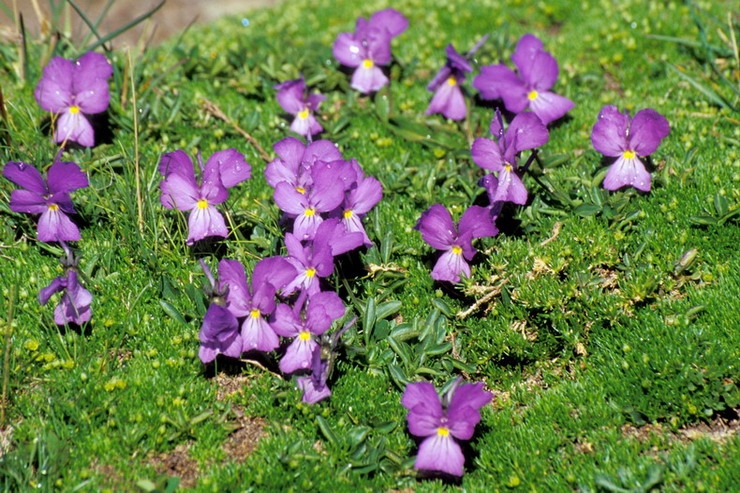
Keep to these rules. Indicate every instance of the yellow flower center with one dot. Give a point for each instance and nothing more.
(304, 335)
(53, 207)
(255, 313)
(629, 154)
(74, 109)
(300, 190)
(456, 250)
(202, 204)
(303, 114)
(451, 81)
(532, 95)
(507, 167)
(348, 213)
(310, 272)
(367, 63)
(310, 212)
(442, 431)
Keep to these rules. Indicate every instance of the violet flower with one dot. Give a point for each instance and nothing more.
(363, 195)
(526, 131)
(49, 197)
(74, 90)
(448, 97)
(438, 230)
(255, 302)
(316, 260)
(538, 71)
(443, 422)
(219, 334)
(370, 47)
(617, 135)
(314, 386)
(321, 310)
(74, 305)
(181, 191)
(293, 99)
(295, 160)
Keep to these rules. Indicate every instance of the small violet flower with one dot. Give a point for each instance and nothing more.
(526, 131)
(73, 90)
(180, 189)
(49, 197)
(362, 196)
(368, 47)
(74, 305)
(538, 71)
(448, 97)
(295, 159)
(617, 135)
(293, 99)
(219, 334)
(455, 417)
(438, 230)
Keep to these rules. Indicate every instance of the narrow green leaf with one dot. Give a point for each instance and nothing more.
(171, 311)
(123, 29)
(326, 429)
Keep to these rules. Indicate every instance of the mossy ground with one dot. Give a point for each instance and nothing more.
(607, 356)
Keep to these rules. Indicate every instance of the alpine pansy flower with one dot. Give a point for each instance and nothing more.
(293, 99)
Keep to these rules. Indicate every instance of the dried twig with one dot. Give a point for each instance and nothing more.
(214, 110)
(555, 233)
(495, 291)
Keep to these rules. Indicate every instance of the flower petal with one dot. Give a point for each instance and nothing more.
(231, 273)
(440, 453)
(28, 202)
(494, 77)
(311, 391)
(390, 19)
(205, 222)
(550, 106)
(510, 189)
(449, 101)
(289, 199)
(476, 221)
(367, 80)
(627, 172)
(436, 227)
(257, 334)
(487, 154)
(609, 135)
(56, 285)
(526, 131)
(54, 90)
(54, 225)
(95, 97)
(65, 177)
(423, 398)
(232, 165)
(74, 127)
(348, 50)
(179, 192)
(275, 270)
(526, 49)
(298, 355)
(542, 73)
(449, 267)
(647, 129)
(26, 176)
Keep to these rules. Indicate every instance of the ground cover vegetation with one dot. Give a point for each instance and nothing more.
(603, 323)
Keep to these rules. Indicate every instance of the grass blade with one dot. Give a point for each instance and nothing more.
(709, 93)
(125, 28)
(86, 20)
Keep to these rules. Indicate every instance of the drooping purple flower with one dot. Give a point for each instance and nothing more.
(316, 260)
(294, 100)
(617, 135)
(219, 334)
(455, 417)
(74, 306)
(49, 197)
(73, 90)
(538, 72)
(255, 302)
(314, 386)
(181, 191)
(526, 131)
(448, 97)
(295, 160)
(369, 47)
(438, 230)
(321, 310)
(362, 196)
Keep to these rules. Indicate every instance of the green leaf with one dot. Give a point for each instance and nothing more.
(587, 210)
(172, 311)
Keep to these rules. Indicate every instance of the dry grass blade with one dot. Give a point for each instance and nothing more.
(214, 110)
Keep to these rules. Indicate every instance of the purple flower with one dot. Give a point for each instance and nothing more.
(219, 334)
(438, 230)
(293, 99)
(73, 90)
(317, 258)
(295, 160)
(368, 47)
(256, 302)
(75, 303)
(538, 71)
(361, 197)
(441, 422)
(526, 131)
(314, 386)
(448, 96)
(180, 189)
(322, 309)
(50, 197)
(617, 135)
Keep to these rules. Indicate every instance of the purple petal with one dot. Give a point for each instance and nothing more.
(378, 45)
(550, 106)
(367, 194)
(306, 224)
(311, 392)
(526, 131)
(647, 129)
(449, 267)
(74, 127)
(469, 394)
(422, 397)
(323, 306)
(56, 285)
(26, 176)
(390, 19)
(476, 222)
(542, 73)
(298, 355)
(353, 223)
(289, 199)
(349, 50)
(510, 188)
(487, 154)
(286, 322)
(94, 98)
(65, 177)
(295, 248)
(231, 273)
(609, 135)
(213, 189)
(440, 453)
(64, 202)
(90, 67)
(320, 150)
(448, 100)
(627, 172)
(179, 192)
(75, 303)
(440, 78)
(290, 95)
(54, 90)
(514, 94)
(337, 175)
(367, 79)
(275, 270)
(526, 50)
(219, 334)
(462, 421)
(177, 162)
(232, 165)
(205, 222)
(54, 225)
(492, 78)
(28, 202)
(332, 239)
(436, 227)
(305, 125)
(314, 100)
(257, 334)
(490, 183)
(456, 60)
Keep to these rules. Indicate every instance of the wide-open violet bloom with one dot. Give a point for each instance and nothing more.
(438, 230)
(295, 160)
(370, 47)
(617, 135)
(448, 97)
(181, 191)
(73, 90)
(49, 197)
(538, 72)
(455, 417)
(526, 131)
(294, 100)
(316, 259)
(74, 305)
(321, 310)
(255, 302)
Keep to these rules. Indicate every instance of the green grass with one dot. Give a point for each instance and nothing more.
(593, 332)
